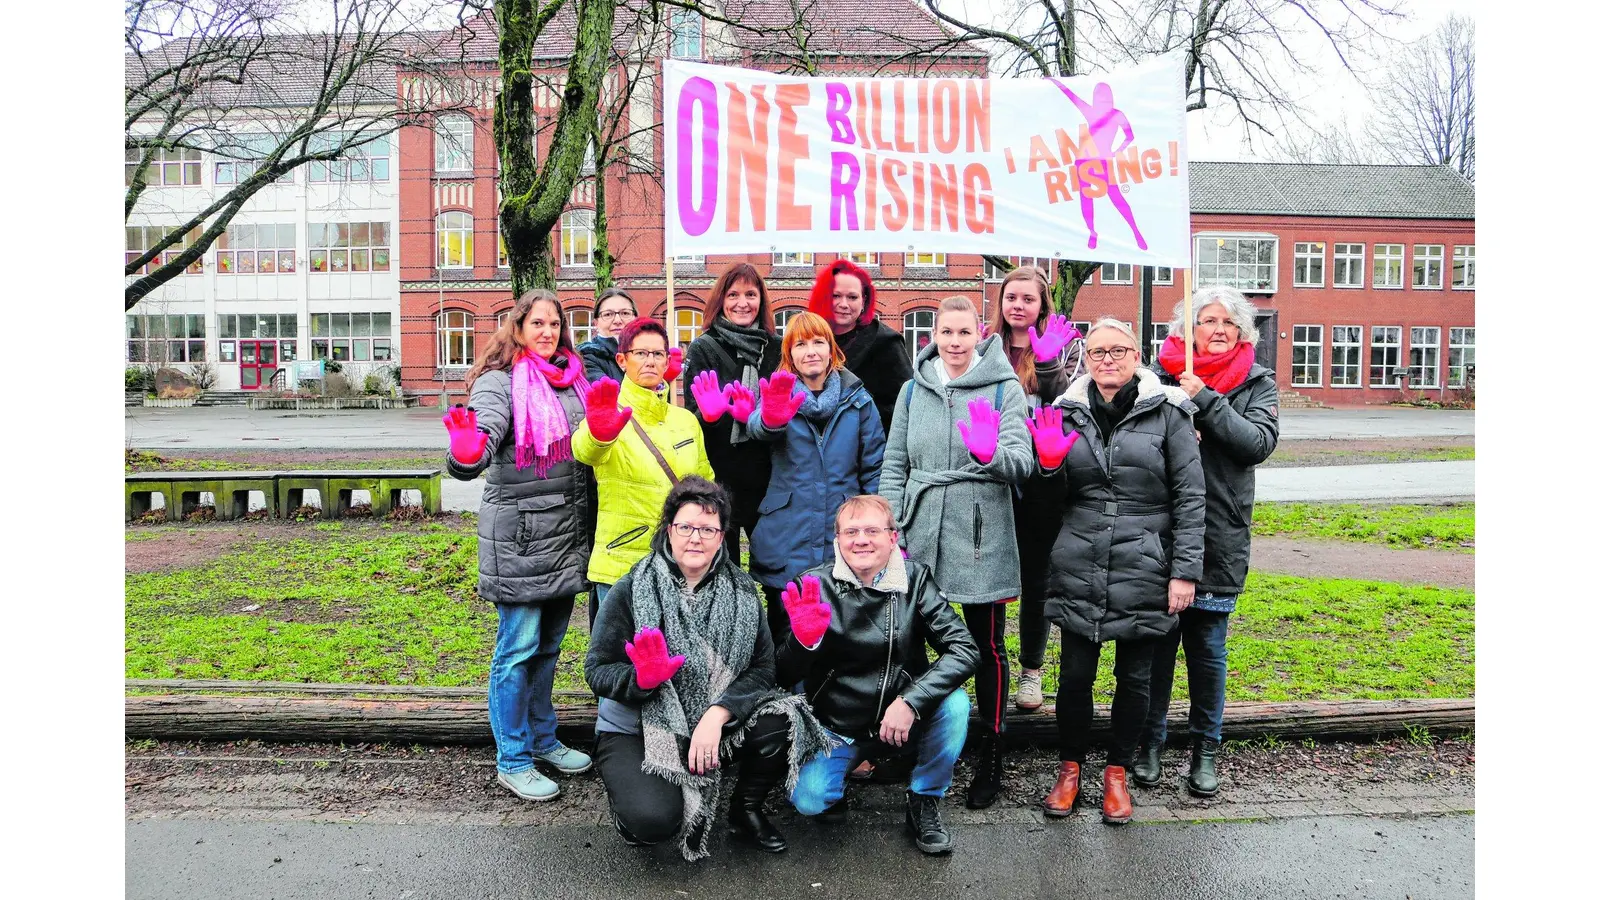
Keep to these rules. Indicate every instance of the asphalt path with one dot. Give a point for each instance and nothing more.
(1323, 857)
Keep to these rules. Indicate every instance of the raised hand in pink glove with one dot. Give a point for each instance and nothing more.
(466, 441)
(983, 330)
(982, 434)
(674, 363)
(809, 614)
(605, 419)
(709, 396)
(741, 403)
(651, 664)
(1057, 333)
(1048, 441)
(779, 402)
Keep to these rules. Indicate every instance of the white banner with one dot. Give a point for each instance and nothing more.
(1090, 168)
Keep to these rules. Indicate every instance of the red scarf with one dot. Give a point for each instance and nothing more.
(1222, 372)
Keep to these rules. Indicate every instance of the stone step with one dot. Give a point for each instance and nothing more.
(1293, 400)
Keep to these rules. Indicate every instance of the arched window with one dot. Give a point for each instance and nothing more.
(455, 338)
(455, 240)
(580, 324)
(500, 318)
(918, 329)
(781, 317)
(577, 237)
(689, 321)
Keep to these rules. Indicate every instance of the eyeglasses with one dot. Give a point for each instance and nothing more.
(615, 314)
(1214, 322)
(706, 532)
(648, 355)
(872, 533)
(1100, 353)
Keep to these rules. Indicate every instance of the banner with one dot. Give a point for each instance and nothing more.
(1089, 168)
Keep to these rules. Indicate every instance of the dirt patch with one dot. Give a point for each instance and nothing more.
(1291, 454)
(181, 548)
(1344, 559)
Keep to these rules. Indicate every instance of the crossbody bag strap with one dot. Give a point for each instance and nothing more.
(651, 446)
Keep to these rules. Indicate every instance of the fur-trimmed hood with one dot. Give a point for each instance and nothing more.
(1150, 386)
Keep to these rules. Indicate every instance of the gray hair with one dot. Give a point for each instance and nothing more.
(1240, 310)
(1115, 324)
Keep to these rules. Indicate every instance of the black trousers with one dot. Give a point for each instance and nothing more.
(1080, 658)
(987, 622)
(650, 808)
(777, 617)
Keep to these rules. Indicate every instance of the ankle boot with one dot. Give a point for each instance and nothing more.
(987, 772)
(922, 821)
(1063, 798)
(1203, 769)
(1117, 807)
(1147, 766)
(758, 774)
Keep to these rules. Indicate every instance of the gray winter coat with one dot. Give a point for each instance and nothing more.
(1135, 515)
(534, 534)
(955, 513)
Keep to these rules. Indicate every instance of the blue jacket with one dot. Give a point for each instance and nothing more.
(812, 475)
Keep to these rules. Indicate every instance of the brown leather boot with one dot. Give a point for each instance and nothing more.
(1117, 807)
(1063, 797)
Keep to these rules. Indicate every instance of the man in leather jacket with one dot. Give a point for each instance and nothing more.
(866, 671)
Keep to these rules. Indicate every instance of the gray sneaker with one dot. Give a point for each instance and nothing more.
(566, 760)
(1030, 691)
(529, 785)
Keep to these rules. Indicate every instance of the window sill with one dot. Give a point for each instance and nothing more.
(1420, 287)
(1349, 287)
(452, 174)
(450, 373)
(1312, 286)
(462, 274)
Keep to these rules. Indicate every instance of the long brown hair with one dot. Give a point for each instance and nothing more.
(732, 275)
(1027, 372)
(500, 352)
(804, 326)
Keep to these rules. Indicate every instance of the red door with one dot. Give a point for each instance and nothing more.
(257, 361)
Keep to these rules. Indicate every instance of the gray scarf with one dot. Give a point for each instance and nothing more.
(748, 346)
(819, 408)
(714, 627)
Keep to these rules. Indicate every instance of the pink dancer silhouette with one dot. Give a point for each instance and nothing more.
(1105, 120)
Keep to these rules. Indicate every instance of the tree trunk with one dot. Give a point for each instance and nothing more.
(603, 263)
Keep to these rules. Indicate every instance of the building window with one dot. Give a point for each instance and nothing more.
(1385, 370)
(1163, 275)
(253, 327)
(368, 162)
(1308, 260)
(452, 144)
(1463, 354)
(256, 249)
(688, 33)
(925, 260)
(1464, 268)
(1424, 357)
(689, 322)
(781, 317)
(455, 338)
(348, 246)
(1247, 263)
(159, 340)
(351, 337)
(689, 259)
(993, 272)
(1344, 369)
(143, 237)
(1427, 266)
(861, 259)
(577, 237)
(1306, 360)
(1158, 336)
(580, 325)
(918, 330)
(455, 240)
(1388, 265)
(1349, 265)
(793, 259)
(1116, 273)
(169, 167)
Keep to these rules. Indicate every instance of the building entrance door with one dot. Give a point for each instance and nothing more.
(258, 360)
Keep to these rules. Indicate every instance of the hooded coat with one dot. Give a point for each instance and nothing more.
(876, 353)
(955, 512)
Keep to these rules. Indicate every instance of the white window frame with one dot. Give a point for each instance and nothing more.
(1305, 356)
(458, 224)
(576, 224)
(580, 325)
(691, 322)
(781, 317)
(916, 260)
(1340, 365)
(1158, 336)
(1463, 353)
(335, 252)
(141, 237)
(351, 336)
(1389, 266)
(169, 167)
(1418, 355)
(1375, 369)
(801, 258)
(684, 42)
(861, 257)
(1310, 255)
(1236, 273)
(453, 143)
(1427, 267)
(1160, 278)
(368, 162)
(1116, 273)
(455, 323)
(1464, 258)
(243, 241)
(689, 259)
(912, 328)
(1353, 257)
(187, 347)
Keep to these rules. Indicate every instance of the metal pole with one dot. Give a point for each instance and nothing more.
(1188, 324)
(1147, 328)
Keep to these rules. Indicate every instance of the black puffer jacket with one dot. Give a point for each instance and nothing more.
(1134, 518)
(1237, 433)
(600, 359)
(877, 355)
(534, 534)
(875, 648)
(746, 467)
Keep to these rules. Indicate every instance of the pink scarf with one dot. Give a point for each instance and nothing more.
(543, 434)
(1222, 372)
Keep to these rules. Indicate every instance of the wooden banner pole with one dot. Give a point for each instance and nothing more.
(1188, 324)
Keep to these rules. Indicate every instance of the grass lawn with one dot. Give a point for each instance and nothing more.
(1437, 527)
(225, 461)
(395, 604)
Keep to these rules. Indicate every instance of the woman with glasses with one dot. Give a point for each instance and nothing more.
(1238, 425)
(613, 309)
(827, 446)
(738, 348)
(1129, 550)
(683, 665)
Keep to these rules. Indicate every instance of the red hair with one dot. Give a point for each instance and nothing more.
(641, 325)
(803, 327)
(821, 301)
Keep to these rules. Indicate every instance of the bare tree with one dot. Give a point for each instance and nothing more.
(1333, 143)
(1425, 111)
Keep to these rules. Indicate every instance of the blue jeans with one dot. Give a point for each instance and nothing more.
(520, 677)
(1204, 636)
(821, 781)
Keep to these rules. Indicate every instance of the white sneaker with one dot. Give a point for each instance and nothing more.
(529, 785)
(1030, 691)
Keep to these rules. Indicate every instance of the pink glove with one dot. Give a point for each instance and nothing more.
(983, 330)
(779, 402)
(809, 614)
(674, 363)
(709, 396)
(606, 421)
(982, 435)
(1057, 334)
(651, 664)
(466, 441)
(1048, 441)
(741, 403)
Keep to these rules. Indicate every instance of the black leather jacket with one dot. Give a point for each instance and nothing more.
(875, 649)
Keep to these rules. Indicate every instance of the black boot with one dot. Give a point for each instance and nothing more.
(1147, 766)
(987, 772)
(922, 820)
(758, 773)
(1203, 769)
(839, 810)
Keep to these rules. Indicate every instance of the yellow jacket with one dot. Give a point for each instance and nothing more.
(632, 486)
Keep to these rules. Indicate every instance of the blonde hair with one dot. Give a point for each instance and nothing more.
(1114, 324)
(867, 503)
(957, 303)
